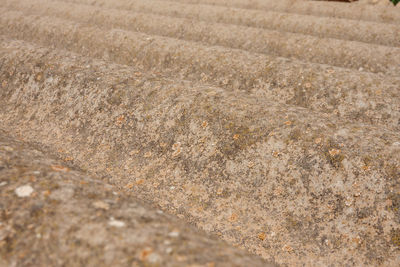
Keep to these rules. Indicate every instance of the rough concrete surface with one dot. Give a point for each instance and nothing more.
(349, 94)
(354, 55)
(339, 28)
(369, 10)
(52, 215)
(294, 157)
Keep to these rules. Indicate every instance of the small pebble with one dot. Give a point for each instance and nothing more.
(24, 191)
(173, 234)
(116, 223)
(60, 168)
(3, 183)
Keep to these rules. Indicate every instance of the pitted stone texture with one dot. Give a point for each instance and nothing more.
(334, 52)
(348, 94)
(345, 29)
(284, 182)
(368, 10)
(60, 224)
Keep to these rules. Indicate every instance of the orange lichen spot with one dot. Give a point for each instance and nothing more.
(176, 146)
(275, 154)
(177, 152)
(236, 136)
(140, 181)
(177, 149)
(262, 236)
(330, 71)
(204, 124)
(378, 92)
(83, 182)
(287, 248)
(59, 168)
(46, 193)
(69, 159)
(288, 123)
(38, 77)
(356, 240)
(365, 167)
(120, 120)
(145, 253)
(129, 185)
(22, 255)
(211, 264)
(233, 217)
(334, 152)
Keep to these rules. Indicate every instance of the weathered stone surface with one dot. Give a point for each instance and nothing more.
(67, 218)
(279, 180)
(347, 29)
(369, 10)
(295, 161)
(349, 94)
(335, 52)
